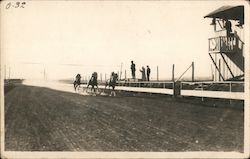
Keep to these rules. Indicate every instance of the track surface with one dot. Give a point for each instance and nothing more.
(42, 119)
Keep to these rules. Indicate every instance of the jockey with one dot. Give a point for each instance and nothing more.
(94, 78)
(93, 81)
(111, 76)
(112, 83)
(113, 80)
(78, 79)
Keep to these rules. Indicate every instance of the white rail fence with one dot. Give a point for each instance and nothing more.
(224, 90)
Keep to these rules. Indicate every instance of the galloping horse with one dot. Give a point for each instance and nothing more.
(77, 81)
(112, 83)
(93, 82)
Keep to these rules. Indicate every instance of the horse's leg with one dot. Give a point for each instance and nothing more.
(113, 91)
(75, 86)
(96, 87)
(87, 87)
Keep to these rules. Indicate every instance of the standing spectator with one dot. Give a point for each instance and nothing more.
(143, 74)
(148, 72)
(228, 27)
(133, 69)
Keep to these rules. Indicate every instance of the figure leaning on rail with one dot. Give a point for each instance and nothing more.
(112, 83)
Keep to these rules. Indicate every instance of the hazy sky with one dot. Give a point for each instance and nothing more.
(66, 38)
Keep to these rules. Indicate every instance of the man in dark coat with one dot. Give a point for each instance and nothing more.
(148, 72)
(133, 69)
(228, 27)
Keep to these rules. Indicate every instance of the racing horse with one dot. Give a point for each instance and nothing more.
(93, 82)
(112, 83)
(77, 82)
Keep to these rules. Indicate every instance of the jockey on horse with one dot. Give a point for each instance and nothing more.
(93, 81)
(112, 82)
(77, 81)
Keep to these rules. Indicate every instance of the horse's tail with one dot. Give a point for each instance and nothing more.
(74, 83)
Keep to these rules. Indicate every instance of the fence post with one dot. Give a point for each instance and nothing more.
(219, 69)
(177, 88)
(192, 71)
(230, 89)
(157, 73)
(202, 98)
(173, 73)
(181, 87)
(173, 88)
(125, 75)
(121, 72)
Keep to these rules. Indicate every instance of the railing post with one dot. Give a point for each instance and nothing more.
(173, 87)
(157, 74)
(125, 75)
(173, 73)
(219, 69)
(5, 77)
(230, 90)
(219, 47)
(180, 87)
(202, 98)
(177, 88)
(192, 71)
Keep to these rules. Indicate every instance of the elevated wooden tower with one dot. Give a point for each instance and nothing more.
(226, 47)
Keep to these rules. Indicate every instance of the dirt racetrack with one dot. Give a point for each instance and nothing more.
(42, 119)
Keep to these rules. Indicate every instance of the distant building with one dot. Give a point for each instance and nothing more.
(226, 46)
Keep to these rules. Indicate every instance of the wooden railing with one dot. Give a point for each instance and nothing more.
(225, 44)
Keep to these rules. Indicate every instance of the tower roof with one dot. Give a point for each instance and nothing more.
(228, 12)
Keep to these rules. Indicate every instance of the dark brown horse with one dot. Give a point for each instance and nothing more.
(112, 83)
(77, 81)
(93, 82)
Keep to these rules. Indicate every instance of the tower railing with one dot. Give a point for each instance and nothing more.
(225, 44)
